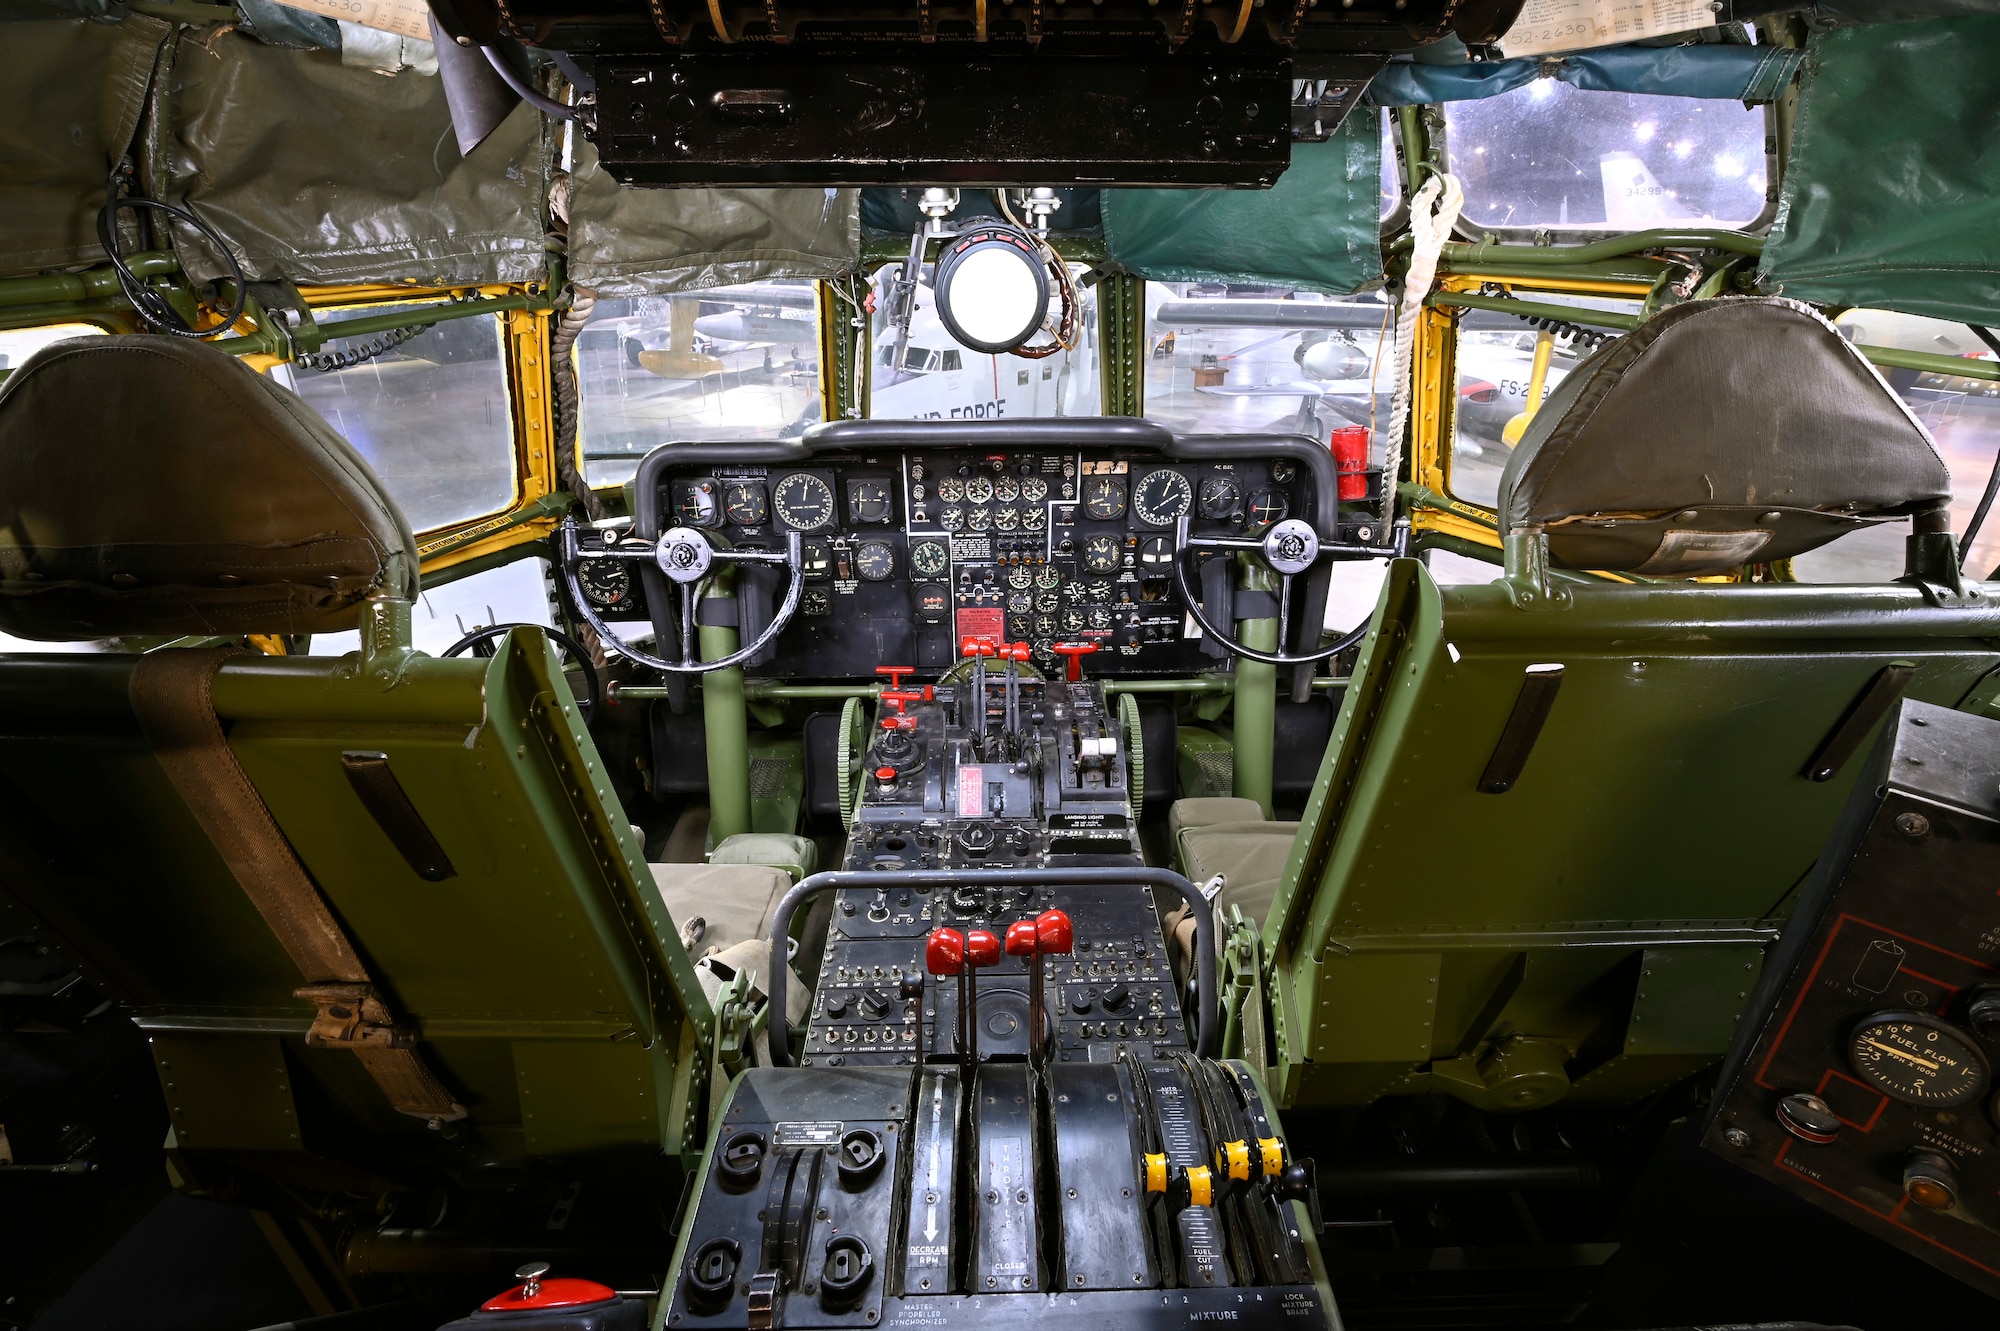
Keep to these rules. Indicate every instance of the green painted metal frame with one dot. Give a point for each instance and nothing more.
(1663, 808)
(546, 976)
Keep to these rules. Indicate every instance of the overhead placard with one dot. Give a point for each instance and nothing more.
(1547, 26)
(405, 18)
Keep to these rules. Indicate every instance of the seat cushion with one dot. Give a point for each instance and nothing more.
(157, 485)
(1207, 810)
(1721, 433)
(796, 855)
(716, 906)
(1251, 858)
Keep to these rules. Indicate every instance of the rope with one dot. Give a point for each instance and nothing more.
(562, 373)
(1429, 228)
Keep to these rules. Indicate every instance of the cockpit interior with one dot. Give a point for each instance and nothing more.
(823, 664)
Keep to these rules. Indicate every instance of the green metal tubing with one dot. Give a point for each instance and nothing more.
(1197, 684)
(727, 723)
(1611, 247)
(1609, 270)
(1931, 362)
(50, 288)
(1576, 314)
(1928, 362)
(553, 504)
(1255, 723)
(262, 341)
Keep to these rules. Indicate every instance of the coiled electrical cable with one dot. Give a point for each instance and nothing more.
(151, 305)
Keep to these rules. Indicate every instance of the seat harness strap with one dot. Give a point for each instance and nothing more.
(171, 693)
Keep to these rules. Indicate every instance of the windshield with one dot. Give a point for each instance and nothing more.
(1224, 358)
(736, 362)
(942, 379)
(1549, 155)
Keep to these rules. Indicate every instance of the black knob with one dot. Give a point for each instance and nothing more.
(846, 1271)
(741, 1161)
(859, 1158)
(712, 1274)
(836, 1005)
(912, 987)
(1081, 999)
(873, 1005)
(1983, 1012)
(1116, 997)
(1297, 1183)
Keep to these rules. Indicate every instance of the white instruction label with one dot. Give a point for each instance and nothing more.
(406, 18)
(1574, 25)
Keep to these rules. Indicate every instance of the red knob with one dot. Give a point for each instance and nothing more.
(944, 952)
(1073, 653)
(982, 948)
(885, 774)
(895, 674)
(1021, 938)
(1053, 933)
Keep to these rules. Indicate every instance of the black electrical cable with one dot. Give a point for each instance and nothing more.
(151, 305)
(547, 106)
(593, 688)
(1992, 478)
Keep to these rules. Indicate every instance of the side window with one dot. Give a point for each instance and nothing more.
(736, 362)
(1962, 415)
(432, 416)
(17, 344)
(1496, 373)
(1549, 155)
(511, 594)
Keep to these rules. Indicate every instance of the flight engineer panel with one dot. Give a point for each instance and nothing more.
(908, 554)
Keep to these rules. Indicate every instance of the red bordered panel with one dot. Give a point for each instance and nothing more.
(1911, 925)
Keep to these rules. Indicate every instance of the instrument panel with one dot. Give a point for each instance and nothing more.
(909, 551)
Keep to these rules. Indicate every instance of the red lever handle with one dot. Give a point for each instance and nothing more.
(1018, 651)
(1073, 653)
(982, 948)
(1021, 938)
(1054, 935)
(944, 952)
(895, 674)
(897, 697)
(977, 647)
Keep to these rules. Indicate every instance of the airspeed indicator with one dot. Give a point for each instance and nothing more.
(1162, 496)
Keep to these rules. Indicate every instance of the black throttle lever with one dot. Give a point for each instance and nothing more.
(1299, 1182)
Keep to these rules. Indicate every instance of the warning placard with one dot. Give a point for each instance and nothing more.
(1574, 25)
(406, 18)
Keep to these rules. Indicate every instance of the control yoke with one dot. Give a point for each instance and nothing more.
(688, 560)
(1288, 549)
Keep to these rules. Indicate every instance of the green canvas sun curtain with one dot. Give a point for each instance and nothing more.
(1317, 229)
(1892, 196)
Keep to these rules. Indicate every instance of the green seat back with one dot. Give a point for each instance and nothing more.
(1591, 932)
(549, 986)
